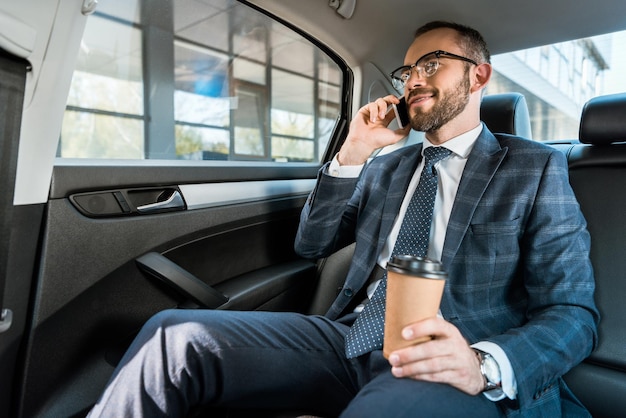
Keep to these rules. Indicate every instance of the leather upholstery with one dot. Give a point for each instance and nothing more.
(598, 177)
(603, 120)
(506, 113)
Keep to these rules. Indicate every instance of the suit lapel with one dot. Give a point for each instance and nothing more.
(482, 163)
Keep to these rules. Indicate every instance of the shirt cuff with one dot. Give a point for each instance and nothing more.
(337, 170)
(509, 383)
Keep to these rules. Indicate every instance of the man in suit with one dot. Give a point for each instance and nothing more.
(517, 311)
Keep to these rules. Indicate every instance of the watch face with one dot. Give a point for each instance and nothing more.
(491, 369)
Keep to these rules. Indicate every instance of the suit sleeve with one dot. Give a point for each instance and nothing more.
(327, 221)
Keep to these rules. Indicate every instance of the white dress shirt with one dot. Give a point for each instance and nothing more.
(449, 171)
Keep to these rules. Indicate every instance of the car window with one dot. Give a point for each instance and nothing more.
(558, 79)
(189, 80)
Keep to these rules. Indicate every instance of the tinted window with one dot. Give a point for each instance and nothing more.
(188, 80)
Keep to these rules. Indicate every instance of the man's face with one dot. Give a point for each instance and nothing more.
(447, 104)
(434, 101)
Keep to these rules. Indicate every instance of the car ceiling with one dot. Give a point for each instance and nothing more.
(380, 31)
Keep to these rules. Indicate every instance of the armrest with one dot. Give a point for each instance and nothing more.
(157, 266)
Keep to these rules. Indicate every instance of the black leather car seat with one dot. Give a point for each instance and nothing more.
(598, 176)
(506, 113)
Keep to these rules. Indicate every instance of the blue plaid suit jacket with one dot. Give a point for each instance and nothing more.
(516, 250)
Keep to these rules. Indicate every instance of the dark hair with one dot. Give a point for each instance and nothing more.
(470, 39)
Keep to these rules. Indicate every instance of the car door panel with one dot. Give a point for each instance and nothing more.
(107, 102)
(92, 296)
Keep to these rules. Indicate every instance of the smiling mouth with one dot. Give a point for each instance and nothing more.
(418, 97)
(418, 100)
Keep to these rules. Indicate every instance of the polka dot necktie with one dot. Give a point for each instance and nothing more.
(366, 334)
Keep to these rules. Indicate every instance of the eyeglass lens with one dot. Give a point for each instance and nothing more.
(425, 67)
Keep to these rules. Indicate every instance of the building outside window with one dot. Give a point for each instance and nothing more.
(190, 80)
(557, 80)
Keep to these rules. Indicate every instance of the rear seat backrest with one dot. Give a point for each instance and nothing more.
(598, 177)
(506, 113)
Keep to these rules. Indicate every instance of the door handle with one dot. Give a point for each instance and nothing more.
(173, 202)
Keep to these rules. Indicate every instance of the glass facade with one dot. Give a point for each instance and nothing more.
(211, 80)
(557, 80)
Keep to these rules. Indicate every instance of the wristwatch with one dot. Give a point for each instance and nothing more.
(490, 371)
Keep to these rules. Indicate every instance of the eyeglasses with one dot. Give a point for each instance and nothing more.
(426, 66)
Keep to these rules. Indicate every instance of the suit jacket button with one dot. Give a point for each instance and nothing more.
(347, 292)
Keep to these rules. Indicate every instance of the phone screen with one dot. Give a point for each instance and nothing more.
(402, 114)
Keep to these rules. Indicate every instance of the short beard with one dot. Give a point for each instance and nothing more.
(452, 104)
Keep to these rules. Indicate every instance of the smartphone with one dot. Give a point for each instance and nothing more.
(402, 114)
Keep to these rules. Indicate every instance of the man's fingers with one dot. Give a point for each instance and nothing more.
(380, 109)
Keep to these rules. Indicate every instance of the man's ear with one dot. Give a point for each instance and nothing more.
(482, 75)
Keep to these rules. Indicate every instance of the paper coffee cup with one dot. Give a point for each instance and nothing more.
(414, 290)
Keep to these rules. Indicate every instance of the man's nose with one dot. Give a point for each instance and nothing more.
(416, 78)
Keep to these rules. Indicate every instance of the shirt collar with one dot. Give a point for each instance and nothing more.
(460, 145)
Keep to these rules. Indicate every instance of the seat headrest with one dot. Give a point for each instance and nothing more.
(603, 120)
(506, 113)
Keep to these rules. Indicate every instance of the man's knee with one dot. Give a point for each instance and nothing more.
(175, 334)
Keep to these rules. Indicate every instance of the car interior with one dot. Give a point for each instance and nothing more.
(156, 154)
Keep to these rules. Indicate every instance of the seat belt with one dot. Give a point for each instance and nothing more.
(12, 87)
